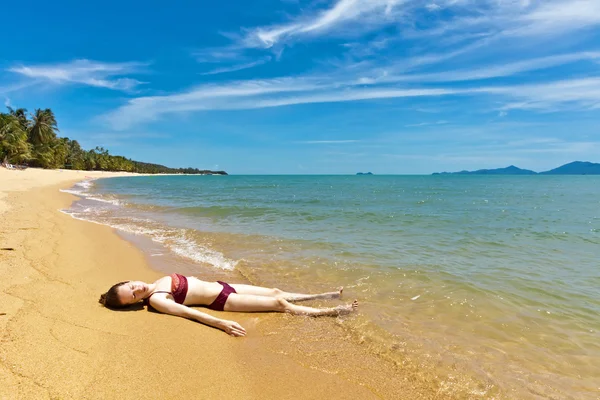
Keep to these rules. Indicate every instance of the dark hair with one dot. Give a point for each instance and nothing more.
(111, 299)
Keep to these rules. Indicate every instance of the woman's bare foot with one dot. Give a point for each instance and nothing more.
(347, 308)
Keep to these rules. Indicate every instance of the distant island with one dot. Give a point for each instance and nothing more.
(364, 173)
(573, 168)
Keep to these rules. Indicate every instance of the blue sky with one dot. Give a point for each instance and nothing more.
(316, 86)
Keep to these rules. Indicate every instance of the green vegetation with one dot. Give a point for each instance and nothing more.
(33, 141)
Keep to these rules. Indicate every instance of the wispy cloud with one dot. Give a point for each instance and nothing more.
(534, 141)
(327, 141)
(251, 94)
(14, 87)
(217, 55)
(556, 17)
(86, 72)
(464, 30)
(564, 148)
(433, 7)
(237, 67)
(352, 18)
(365, 14)
(495, 71)
(573, 94)
(441, 122)
(519, 18)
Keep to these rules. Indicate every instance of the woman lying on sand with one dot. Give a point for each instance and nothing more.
(173, 294)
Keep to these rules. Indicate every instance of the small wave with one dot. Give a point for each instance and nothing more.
(175, 240)
(75, 192)
(79, 188)
(86, 184)
(110, 201)
(82, 189)
(189, 249)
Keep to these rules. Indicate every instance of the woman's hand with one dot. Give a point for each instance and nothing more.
(233, 328)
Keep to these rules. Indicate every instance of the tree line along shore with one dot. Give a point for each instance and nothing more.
(32, 141)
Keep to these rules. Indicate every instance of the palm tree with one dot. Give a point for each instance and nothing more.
(21, 115)
(13, 139)
(43, 127)
(76, 155)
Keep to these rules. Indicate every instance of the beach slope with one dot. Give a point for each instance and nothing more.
(58, 342)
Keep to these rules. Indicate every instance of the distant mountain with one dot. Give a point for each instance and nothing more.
(575, 168)
(512, 170)
(364, 173)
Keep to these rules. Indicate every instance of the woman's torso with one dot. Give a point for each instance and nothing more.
(199, 292)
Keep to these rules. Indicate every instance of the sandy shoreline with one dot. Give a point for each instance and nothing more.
(58, 342)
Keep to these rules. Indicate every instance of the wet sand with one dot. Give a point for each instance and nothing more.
(58, 342)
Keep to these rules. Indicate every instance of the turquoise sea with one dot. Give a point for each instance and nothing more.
(495, 279)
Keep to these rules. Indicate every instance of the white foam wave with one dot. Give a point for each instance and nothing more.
(86, 184)
(174, 239)
(80, 188)
(110, 201)
(189, 249)
(75, 192)
(139, 230)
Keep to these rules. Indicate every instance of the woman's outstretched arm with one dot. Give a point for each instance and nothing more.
(168, 306)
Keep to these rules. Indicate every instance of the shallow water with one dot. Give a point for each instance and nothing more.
(487, 284)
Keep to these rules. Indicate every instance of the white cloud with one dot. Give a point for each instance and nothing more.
(498, 70)
(466, 32)
(14, 87)
(7, 102)
(327, 141)
(441, 122)
(552, 96)
(219, 55)
(254, 94)
(365, 14)
(350, 84)
(578, 93)
(537, 141)
(556, 17)
(516, 19)
(237, 67)
(562, 148)
(354, 18)
(86, 72)
(475, 24)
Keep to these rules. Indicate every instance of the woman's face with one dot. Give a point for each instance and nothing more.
(132, 292)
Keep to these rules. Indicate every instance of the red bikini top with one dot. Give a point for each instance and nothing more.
(179, 288)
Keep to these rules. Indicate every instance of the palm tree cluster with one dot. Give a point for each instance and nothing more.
(34, 141)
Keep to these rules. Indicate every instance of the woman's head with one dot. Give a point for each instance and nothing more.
(124, 294)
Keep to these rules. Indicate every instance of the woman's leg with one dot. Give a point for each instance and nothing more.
(274, 292)
(252, 303)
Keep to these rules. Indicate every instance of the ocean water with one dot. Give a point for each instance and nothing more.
(487, 283)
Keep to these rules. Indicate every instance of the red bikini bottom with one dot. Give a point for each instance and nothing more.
(219, 303)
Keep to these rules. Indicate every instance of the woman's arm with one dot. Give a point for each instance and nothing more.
(167, 306)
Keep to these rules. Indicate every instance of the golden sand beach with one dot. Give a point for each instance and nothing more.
(57, 342)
